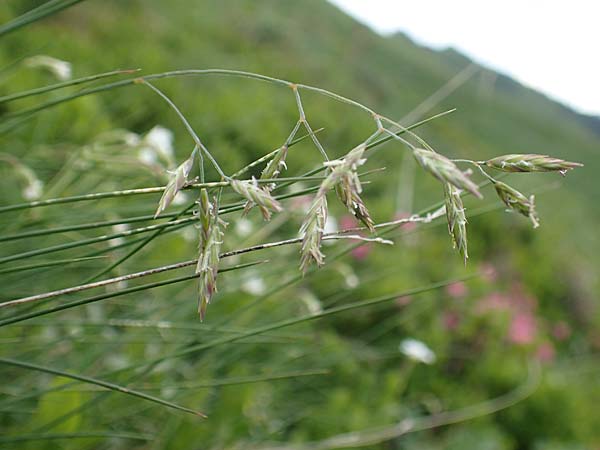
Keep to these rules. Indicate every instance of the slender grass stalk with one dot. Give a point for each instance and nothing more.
(154, 271)
(187, 125)
(78, 435)
(64, 84)
(78, 227)
(85, 301)
(138, 247)
(202, 72)
(42, 11)
(60, 247)
(234, 381)
(60, 262)
(97, 382)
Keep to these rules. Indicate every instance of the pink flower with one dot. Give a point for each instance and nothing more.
(561, 330)
(457, 290)
(490, 274)
(451, 320)
(361, 252)
(545, 353)
(522, 329)
(496, 301)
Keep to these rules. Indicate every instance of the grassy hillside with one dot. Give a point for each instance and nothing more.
(317, 378)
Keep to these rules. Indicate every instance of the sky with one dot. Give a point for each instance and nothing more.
(551, 46)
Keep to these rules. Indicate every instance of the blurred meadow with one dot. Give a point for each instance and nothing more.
(401, 346)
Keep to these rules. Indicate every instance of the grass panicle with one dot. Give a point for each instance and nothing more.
(445, 170)
(311, 231)
(347, 184)
(531, 163)
(252, 192)
(342, 176)
(271, 171)
(516, 201)
(179, 178)
(457, 221)
(210, 240)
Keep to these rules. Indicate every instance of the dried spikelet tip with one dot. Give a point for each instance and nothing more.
(312, 233)
(445, 170)
(457, 220)
(516, 201)
(179, 178)
(251, 191)
(531, 163)
(209, 246)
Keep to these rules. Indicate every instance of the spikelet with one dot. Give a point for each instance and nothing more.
(178, 179)
(250, 190)
(457, 221)
(271, 171)
(344, 179)
(531, 163)
(276, 165)
(312, 233)
(445, 170)
(348, 188)
(517, 201)
(209, 246)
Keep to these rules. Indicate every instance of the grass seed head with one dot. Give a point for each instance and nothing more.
(312, 233)
(271, 171)
(179, 178)
(209, 246)
(531, 163)
(445, 170)
(276, 165)
(347, 184)
(457, 220)
(518, 202)
(251, 191)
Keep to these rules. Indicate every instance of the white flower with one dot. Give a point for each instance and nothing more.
(131, 139)
(34, 187)
(417, 351)
(147, 156)
(60, 69)
(160, 139)
(254, 285)
(243, 227)
(33, 190)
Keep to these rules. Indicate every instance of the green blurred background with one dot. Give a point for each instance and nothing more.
(533, 301)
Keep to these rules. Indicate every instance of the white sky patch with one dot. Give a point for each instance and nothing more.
(551, 46)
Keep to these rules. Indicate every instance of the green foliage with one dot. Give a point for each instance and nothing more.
(316, 378)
